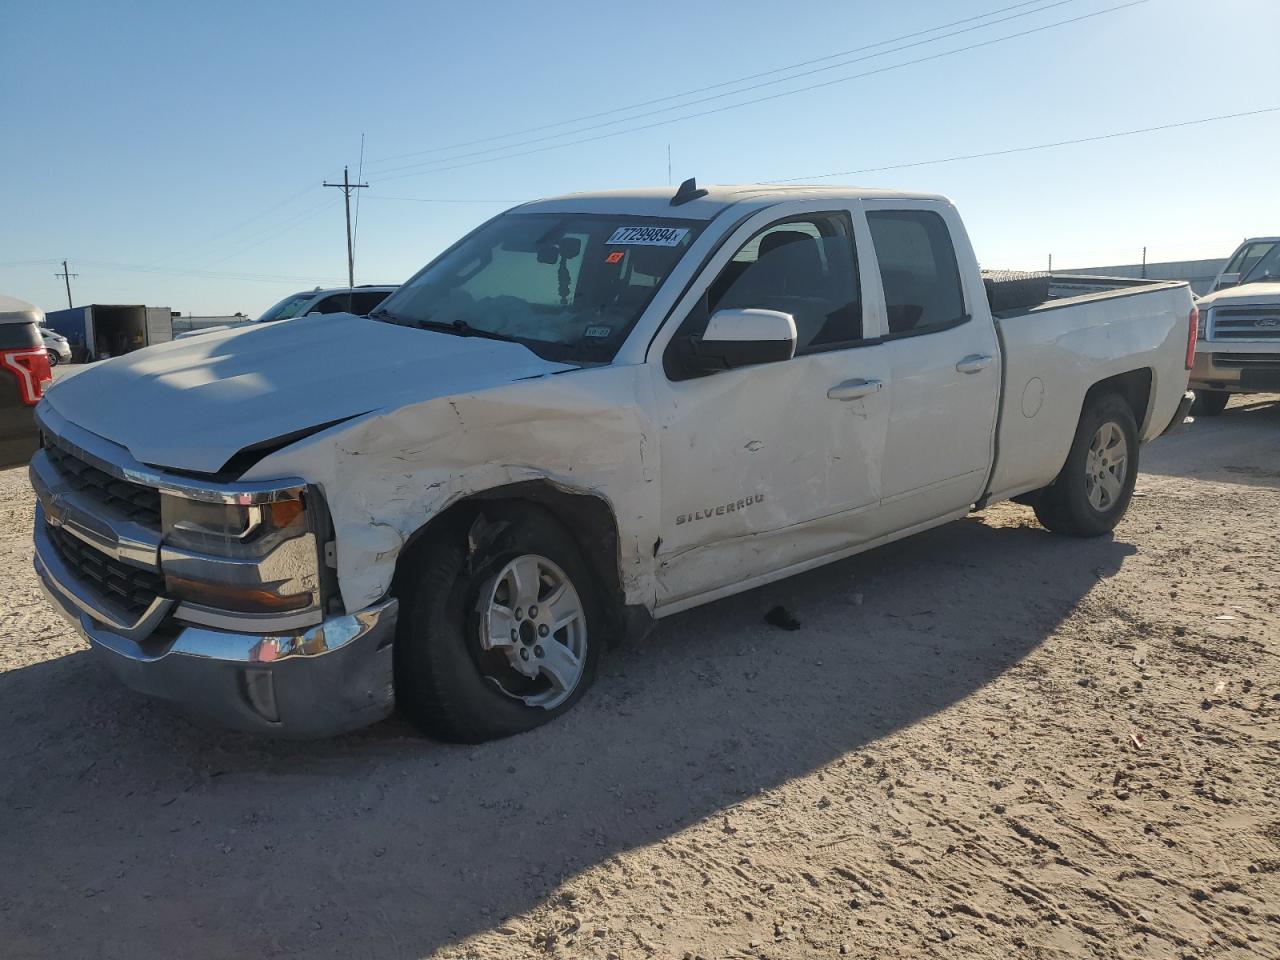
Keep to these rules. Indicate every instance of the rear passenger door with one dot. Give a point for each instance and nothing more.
(944, 367)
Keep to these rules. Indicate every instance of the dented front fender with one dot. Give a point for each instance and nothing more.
(387, 474)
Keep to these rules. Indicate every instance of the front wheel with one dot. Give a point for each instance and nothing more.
(1210, 403)
(53, 358)
(499, 630)
(1092, 491)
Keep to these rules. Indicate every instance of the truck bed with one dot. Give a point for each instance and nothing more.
(1053, 349)
(1011, 293)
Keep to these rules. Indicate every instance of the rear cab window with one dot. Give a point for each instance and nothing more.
(918, 271)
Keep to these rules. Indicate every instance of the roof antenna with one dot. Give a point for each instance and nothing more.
(688, 191)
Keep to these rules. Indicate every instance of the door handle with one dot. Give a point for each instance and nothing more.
(973, 363)
(854, 389)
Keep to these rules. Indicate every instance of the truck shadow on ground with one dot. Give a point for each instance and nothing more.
(128, 832)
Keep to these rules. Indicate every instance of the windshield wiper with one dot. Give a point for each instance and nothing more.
(381, 313)
(461, 328)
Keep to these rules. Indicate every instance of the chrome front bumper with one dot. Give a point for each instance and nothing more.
(307, 683)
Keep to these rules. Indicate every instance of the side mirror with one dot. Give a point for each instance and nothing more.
(742, 338)
(1228, 280)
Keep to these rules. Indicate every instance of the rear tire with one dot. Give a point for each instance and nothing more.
(464, 588)
(1210, 403)
(1092, 491)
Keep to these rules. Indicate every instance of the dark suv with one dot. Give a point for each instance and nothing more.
(24, 374)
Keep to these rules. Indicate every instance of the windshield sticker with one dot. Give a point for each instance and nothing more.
(648, 236)
(598, 332)
(615, 257)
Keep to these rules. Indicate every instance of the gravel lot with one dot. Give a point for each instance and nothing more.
(983, 741)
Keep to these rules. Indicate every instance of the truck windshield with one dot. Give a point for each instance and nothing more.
(1247, 257)
(568, 286)
(286, 308)
(1266, 268)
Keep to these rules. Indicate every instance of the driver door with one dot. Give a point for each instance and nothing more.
(768, 468)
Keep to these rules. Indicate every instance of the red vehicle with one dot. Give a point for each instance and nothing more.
(24, 374)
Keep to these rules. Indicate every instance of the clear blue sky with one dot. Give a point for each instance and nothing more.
(192, 139)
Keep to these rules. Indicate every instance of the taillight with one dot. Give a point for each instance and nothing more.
(1193, 330)
(31, 366)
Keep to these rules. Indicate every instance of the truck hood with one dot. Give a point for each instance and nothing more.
(1250, 293)
(193, 404)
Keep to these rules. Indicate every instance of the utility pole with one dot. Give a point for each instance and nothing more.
(346, 186)
(64, 275)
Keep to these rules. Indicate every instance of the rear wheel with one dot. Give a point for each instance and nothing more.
(1210, 403)
(1093, 489)
(495, 636)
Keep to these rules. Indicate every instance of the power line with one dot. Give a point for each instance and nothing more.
(924, 163)
(714, 86)
(206, 241)
(276, 230)
(208, 275)
(66, 275)
(378, 196)
(732, 93)
(774, 96)
(359, 173)
(1028, 149)
(346, 186)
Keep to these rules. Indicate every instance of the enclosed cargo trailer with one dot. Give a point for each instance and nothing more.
(98, 331)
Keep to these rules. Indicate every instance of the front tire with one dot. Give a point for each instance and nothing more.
(1210, 403)
(1092, 491)
(500, 630)
(54, 359)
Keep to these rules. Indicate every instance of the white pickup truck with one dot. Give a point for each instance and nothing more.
(1239, 346)
(590, 412)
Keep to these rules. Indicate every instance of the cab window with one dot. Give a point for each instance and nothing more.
(362, 304)
(918, 270)
(803, 266)
(337, 303)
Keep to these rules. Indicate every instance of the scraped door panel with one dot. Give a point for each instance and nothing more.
(761, 469)
(773, 465)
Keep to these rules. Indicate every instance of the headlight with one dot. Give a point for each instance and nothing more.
(230, 530)
(246, 559)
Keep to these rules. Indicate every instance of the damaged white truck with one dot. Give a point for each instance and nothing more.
(591, 412)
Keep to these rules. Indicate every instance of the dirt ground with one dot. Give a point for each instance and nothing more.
(983, 741)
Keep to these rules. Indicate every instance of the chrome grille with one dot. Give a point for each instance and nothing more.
(125, 585)
(139, 503)
(1245, 323)
(1269, 361)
